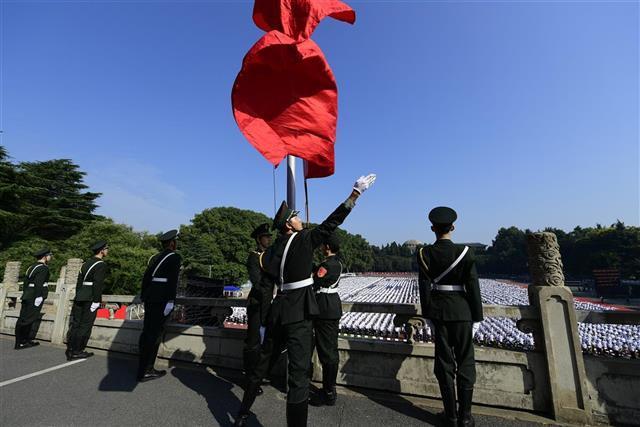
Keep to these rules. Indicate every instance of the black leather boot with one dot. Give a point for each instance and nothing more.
(449, 415)
(465, 395)
(297, 414)
(250, 394)
(329, 375)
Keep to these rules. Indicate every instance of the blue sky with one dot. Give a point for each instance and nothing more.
(514, 113)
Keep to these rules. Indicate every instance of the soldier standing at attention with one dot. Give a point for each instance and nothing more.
(159, 287)
(289, 263)
(450, 300)
(34, 291)
(327, 323)
(259, 300)
(87, 301)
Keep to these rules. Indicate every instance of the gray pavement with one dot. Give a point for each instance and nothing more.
(102, 391)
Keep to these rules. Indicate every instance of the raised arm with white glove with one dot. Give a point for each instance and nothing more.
(364, 182)
(38, 301)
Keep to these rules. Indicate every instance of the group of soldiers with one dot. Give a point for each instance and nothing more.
(159, 287)
(292, 305)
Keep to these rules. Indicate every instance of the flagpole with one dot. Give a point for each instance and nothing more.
(291, 181)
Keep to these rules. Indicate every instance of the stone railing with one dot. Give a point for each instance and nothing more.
(554, 379)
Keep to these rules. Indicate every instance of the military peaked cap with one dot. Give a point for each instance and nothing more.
(283, 215)
(261, 230)
(42, 253)
(169, 235)
(98, 246)
(442, 215)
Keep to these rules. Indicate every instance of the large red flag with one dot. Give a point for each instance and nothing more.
(285, 97)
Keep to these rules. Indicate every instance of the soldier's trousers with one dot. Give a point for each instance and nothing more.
(29, 314)
(152, 330)
(455, 361)
(296, 338)
(326, 341)
(251, 352)
(82, 319)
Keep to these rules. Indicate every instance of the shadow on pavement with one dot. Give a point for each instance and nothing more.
(217, 391)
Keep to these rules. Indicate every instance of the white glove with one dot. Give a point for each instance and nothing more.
(168, 308)
(476, 326)
(94, 306)
(431, 326)
(38, 301)
(262, 331)
(364, 182)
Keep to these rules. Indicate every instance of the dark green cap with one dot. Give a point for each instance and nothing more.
(98, 246)
(442, 215)
(283, 215)
(169, 235)
(261, 230)
(42, 253)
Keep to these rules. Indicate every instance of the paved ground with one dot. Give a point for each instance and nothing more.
(101, 391)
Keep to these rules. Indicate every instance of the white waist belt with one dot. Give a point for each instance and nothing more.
(327, 290)
(87, 283)
(159, 279)
(296, 285)
(453, 288)
(45, 284)
(31, 285)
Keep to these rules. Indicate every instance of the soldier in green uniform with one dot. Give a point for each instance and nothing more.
(259, 300)
(289, 263)
(327, 323)
(159, 287)
(34, 291)
(450, 300)
(87, 301)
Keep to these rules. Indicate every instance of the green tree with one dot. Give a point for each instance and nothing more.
(219, 240)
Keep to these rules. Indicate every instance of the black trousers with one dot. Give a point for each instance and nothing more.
(296, 338)
(152, 330)
(29, 314)
(455, 361)
(326, 343)
(251, 352)
(82, 319)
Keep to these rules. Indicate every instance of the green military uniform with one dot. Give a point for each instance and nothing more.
(258, 303)
(327, 324)
(35, 290)
(159, 288)
(450, 298)
(86, 302)
(289, 262)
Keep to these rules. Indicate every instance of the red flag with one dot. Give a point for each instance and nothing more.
(285, 98)
(285, 101)
(298, 18)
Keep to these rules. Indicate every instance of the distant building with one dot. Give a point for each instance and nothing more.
(412, 245)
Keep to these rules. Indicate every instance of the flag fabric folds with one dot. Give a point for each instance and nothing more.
(285, 98)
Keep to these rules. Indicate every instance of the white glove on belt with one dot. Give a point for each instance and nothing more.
(364, 182)
(38, 301)
(94, 306)
(168, 308)
(474, 330)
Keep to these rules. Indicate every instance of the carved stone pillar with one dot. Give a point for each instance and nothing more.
(568, 399)
(9, 284)
(11, 275)
(66, 291)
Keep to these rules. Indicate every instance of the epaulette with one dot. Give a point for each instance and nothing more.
(422, 261)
